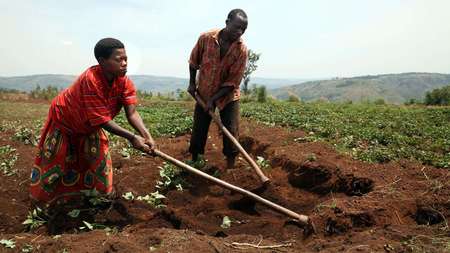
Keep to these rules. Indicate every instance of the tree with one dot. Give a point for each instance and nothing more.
(438, 96)
(250, 68)
(261, 94)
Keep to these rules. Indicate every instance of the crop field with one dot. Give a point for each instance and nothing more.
(372, 178)
(372, 133)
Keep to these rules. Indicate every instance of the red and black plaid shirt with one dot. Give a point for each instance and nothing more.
(90, 102)
(215, 72)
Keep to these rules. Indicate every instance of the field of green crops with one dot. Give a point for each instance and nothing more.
(373, 133)
(163, 118)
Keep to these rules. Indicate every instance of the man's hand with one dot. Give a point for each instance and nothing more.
(210, 106)
(141, 144)
(192, 89)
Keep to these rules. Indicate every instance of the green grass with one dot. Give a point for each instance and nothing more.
(373, 133)
(163, 119)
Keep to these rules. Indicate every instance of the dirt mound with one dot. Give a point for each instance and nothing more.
(354, 205)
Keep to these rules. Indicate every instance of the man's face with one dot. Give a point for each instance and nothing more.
(236, 27)
(117, 62)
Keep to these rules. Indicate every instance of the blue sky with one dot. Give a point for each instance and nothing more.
(297, 39)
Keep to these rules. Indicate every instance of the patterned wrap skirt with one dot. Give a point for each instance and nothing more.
(67, 164)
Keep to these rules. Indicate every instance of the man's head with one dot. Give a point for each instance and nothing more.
(110, 54)
(236, 24)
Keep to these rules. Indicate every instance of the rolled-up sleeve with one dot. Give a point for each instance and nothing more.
(196, 54)
(237, 70)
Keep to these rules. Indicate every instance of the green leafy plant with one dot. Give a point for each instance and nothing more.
(171, 177)
(262, 162)
(8, 158)
(27, 136)
(27, 248)
(10, 244)
(154, 199)
(199, 164)
(35, 218)
(367, 131)
(74, 213)
(226, 222)
(128, 196)
(95, 198)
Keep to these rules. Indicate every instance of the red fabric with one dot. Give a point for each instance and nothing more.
(90, 102)
(66, 164)
(73, 150)
(216, 72)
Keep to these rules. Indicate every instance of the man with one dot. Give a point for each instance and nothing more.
(220, 56)
(73, 149)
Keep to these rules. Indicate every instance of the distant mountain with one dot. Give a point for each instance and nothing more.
(161, 84)
(393, 88)
(274, 83)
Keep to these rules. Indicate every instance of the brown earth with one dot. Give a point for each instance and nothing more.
(356, 207)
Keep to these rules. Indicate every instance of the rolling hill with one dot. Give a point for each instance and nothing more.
(393, 88)
(152, 83)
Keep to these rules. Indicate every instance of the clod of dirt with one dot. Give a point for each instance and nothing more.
(216, 190)
(245, 204)
(253, 146)
(428, 216)
(362, 219)
(170, 216)
(220, 234)
(336, 227)
(354, 186)
(247, 143)
(311, 178)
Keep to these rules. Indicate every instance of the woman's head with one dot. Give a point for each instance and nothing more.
(111, 55)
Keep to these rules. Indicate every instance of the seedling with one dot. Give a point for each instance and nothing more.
(8, 158)
(94, 197)
(9, 244)
(226, 222)
(171, 177)
(128, 196)
(154, 199)
(74, 213)
(262, 163)
(35, 219)
(27, 248)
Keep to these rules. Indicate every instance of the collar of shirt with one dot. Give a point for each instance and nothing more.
(216, 33)
(103, 83)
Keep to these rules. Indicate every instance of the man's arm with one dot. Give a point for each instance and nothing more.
(137, 141)
(192, 76)
(135, 120)
(195, 60)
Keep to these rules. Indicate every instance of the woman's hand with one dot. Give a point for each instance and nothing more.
(141, 144)
(151, 144)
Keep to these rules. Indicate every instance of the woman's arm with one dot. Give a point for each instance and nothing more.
(137, 141)
(136, 122)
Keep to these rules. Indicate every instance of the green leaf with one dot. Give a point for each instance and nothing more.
(74, 213)
(27, 248)
(128, 196)
(10, 244)
(88, 225)
(226, 222)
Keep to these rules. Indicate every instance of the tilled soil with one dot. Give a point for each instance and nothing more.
(356, 207)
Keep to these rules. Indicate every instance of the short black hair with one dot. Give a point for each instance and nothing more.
(106, 46)
(233, 13)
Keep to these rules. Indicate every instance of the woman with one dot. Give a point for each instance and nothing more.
(73, 150)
